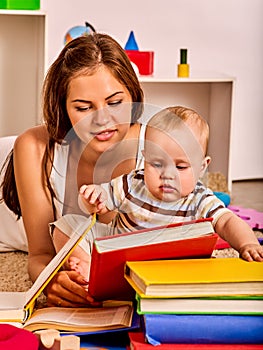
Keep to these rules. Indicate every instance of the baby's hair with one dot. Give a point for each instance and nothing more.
(170, 118)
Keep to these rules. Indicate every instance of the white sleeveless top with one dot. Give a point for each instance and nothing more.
(74, 222)
(59, 169)
(12, 232)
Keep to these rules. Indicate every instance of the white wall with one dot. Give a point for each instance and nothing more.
(222, 36)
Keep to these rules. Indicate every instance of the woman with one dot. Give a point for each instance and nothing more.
(91, 102)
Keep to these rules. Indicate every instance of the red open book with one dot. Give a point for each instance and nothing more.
(192, 239)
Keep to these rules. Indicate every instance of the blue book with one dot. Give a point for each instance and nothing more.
(105, 341)
(203, 329)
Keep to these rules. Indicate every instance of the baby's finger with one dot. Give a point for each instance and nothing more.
(101, 206)
(256, 256)
(95, 196)
(246, 256)
(88, 192)
(83, 189)
(103, 196)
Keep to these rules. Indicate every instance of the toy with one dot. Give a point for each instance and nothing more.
(12, 338)
(224, 197)
(253, 217)
(183, 67)
(78, 31)
(50, 339)
(131, 43)
(20, 5)
(142, 59)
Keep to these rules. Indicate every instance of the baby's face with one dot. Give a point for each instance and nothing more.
(172, 168)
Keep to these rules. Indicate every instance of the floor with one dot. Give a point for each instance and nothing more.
(248, 194)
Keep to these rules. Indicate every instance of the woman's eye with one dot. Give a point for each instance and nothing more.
(115, 103)
(83, 109)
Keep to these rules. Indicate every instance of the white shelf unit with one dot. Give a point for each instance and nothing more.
(22, 67)
(212, 98)
(23, 54)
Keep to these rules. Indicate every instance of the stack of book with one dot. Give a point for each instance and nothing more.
(214, 303)
(190, 239)
(107, 282)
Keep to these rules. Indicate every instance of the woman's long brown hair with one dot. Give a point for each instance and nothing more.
(81, 56)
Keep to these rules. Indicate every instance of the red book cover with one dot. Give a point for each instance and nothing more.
(137, 342)
(193, 239)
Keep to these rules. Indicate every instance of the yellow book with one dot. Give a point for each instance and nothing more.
(195, 277)
(18, 306)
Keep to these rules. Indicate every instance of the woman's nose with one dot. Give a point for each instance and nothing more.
(101, 116)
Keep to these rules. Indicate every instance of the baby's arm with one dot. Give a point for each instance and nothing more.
(240, 236)
(92, 199)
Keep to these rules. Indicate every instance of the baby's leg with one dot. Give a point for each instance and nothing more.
(79, 259)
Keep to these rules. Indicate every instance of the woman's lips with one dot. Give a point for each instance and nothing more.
(104, 135)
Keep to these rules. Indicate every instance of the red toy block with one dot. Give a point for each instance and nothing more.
(143, 60)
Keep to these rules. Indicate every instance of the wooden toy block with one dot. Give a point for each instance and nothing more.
(50, 339)
(67, 342)
(143, 60)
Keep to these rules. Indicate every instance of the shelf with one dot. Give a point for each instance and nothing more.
(22, 67)
(22, 12)
(153, 79)
(211, 97)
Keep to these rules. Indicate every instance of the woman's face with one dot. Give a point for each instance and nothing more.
(99, 108)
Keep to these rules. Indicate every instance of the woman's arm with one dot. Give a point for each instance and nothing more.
(34, 199)
(37, 213)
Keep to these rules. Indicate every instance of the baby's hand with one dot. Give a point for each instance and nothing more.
(251, 252)
(94, 198)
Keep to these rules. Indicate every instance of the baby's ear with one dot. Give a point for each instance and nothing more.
(206, 161)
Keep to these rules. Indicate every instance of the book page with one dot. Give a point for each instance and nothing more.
(58, 260)
(12, 306)
(151, 236)
(81, 318)
(12, 300)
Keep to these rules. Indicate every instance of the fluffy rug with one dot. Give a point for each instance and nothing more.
(14, 276)
(13, 265)
(13, 272)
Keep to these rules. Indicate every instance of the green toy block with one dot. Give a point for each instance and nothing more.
(20, 4)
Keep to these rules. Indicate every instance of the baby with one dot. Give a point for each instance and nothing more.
(169, 188)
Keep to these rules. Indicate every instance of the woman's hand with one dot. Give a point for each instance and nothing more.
(69, 289)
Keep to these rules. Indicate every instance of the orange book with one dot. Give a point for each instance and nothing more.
(195, 277)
